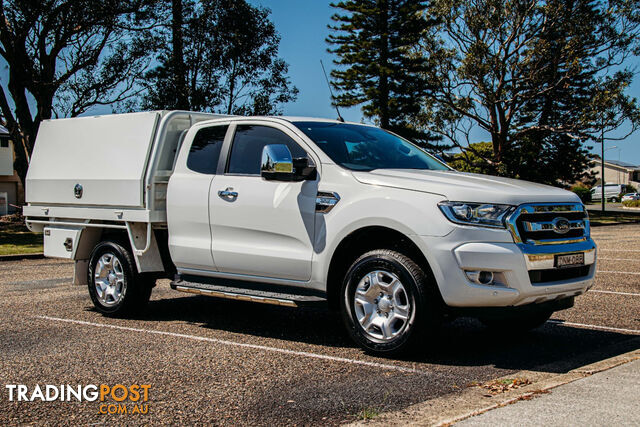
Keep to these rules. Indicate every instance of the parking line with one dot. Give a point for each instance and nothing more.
(245, 345)
(12, 267)
(42, 282)
(597, 327)
(614, 292)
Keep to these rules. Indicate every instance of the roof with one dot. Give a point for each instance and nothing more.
(295, 119)
(3, 131)
(304, 119)
(622, 164)
(617, 163)
(214, 116)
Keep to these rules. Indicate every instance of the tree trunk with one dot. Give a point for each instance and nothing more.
(232, 88)
(177, 51)
(20, 164)
(24, 137)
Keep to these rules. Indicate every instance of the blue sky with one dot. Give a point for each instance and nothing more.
(303, 27)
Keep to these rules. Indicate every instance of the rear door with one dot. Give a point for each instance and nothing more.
(188, 198)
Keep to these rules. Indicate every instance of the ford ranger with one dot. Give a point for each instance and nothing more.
(299, 211)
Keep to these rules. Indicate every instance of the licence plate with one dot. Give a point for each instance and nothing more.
(570, 260)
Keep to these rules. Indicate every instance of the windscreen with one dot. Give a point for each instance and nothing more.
(365, 148)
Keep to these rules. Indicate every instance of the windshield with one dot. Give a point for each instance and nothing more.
(365, 148)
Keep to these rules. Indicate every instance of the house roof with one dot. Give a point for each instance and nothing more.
(3, 131)
(622, 164)
(617, 163)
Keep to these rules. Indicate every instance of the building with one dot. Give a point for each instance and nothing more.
(617, 172)
(11, 190)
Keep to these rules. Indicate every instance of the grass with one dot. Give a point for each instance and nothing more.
(504, 385)
(599, 218)
(368, 413)
(631, 203)
(16, 239)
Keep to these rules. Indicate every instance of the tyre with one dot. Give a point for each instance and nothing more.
(115, 287)
(386, 304)
(518, 323)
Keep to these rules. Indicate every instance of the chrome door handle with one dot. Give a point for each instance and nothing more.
(228, 193)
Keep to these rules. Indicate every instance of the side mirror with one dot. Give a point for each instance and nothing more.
(303, 170)
(278, 165)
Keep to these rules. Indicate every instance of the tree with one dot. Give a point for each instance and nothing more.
(469, 161)
(225, 52)
(177, 58)
(541, 78)
(539, 152)
(379, 66)
(65, 57)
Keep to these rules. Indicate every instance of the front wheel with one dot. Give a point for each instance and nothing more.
(115, 286)
(385, 302)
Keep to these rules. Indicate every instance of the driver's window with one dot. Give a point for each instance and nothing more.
(248, 142)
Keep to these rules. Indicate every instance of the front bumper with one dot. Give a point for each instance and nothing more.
(511, 264)
(542, 257)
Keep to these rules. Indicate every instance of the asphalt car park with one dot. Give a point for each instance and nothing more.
(230, 362)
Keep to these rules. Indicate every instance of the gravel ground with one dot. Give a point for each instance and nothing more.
(224, 362)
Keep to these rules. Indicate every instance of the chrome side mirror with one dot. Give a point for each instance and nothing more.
(277, 163)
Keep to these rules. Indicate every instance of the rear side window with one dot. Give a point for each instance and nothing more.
(205, 149)
(248, 142)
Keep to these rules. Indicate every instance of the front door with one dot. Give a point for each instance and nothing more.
(259, 227)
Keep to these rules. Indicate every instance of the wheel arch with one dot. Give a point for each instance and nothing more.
(89, 239)
(155, 262)
(368, 238)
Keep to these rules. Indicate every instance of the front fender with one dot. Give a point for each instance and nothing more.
(411, 213)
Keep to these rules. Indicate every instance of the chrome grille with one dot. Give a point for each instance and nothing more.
(549, 223)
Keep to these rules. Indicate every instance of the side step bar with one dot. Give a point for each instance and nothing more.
(264, 295)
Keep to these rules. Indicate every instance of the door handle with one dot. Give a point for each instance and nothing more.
(228, 193)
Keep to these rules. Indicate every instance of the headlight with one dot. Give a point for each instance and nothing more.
(478, 214)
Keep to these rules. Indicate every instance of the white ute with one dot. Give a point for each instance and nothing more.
(295, 211)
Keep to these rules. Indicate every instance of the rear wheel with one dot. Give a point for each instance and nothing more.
(385, 303)
(115, 286)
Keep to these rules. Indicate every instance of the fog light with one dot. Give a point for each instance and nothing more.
(480, 277)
